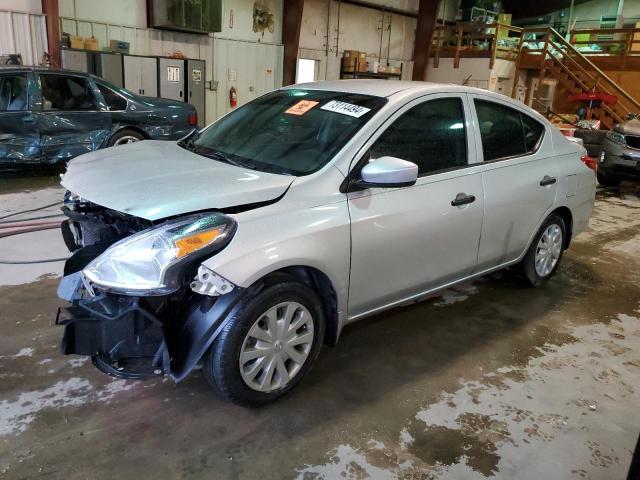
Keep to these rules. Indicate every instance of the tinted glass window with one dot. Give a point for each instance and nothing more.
(431, 135)
(506, 132)
(533, 131)
(66, 93)
(13, 93)
(114, 101)
(293, 132)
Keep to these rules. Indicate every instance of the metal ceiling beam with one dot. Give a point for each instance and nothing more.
(427, 14)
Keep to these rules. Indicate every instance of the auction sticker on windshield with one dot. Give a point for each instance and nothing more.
(302, 107)
(345, 108)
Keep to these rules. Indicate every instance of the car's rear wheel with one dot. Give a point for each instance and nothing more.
(268, 346)
(608, 180)
(543, 257)
(125, 136)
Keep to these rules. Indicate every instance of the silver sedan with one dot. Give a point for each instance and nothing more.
(248, 244)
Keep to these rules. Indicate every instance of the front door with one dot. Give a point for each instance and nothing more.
(19, 139)
(406, 241)
(71, 121)
(520, 177)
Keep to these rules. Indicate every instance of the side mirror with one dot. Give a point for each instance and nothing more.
(388, 172)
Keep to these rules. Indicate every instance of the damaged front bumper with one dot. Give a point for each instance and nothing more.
(138, 337)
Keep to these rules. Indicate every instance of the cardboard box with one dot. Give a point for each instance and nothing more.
(118, 46)
(76, 42)
(349, 64)
(91, 44)
(350, 54)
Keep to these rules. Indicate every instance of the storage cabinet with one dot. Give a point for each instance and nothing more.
(141, 75)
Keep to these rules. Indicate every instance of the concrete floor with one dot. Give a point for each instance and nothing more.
(488, 380)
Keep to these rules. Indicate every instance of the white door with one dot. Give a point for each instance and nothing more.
(408, 240)
(519, 174)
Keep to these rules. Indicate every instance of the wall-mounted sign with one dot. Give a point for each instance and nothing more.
(196, 75)
(173, 74)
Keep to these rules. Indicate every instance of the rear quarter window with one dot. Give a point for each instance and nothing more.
(506, 132)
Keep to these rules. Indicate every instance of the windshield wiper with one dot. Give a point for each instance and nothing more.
(226, 159)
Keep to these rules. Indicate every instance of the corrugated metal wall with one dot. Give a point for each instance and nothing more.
(23, 33)
(252, 68)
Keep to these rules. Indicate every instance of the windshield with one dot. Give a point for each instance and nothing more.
(291, 132)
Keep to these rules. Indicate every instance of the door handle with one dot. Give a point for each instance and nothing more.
(547, 180)
(28, 119)
(462, 199)
(180, 94)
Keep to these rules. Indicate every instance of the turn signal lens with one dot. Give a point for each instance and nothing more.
(191, 243)
(592, 163)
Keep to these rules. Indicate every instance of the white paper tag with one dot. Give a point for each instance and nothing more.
(345, 108)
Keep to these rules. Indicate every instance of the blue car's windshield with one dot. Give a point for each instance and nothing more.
(292, 132)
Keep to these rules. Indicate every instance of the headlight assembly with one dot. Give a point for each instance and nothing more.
(616, 137)
(151, 262)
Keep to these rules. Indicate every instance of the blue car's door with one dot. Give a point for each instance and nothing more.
(71, 120)
(19, 139)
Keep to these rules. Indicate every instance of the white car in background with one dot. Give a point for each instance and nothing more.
(247, 245)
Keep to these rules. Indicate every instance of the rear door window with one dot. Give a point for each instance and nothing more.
(114, 101)
(432, 135)
(13, 93)
(506, 132)
(70, 93)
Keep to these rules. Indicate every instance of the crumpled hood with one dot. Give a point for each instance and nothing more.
(158, 179)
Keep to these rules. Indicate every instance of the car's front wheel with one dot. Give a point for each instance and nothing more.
(268, 346)
(543, 257)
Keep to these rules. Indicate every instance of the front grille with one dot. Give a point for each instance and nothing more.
(633, 141)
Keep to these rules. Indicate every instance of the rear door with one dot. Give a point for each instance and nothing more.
(408, 240)
(19, 139)
(71, 120)
(520, 178)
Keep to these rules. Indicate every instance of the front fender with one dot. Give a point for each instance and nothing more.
(206, 318)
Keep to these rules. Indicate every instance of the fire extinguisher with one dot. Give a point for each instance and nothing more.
(233, 97)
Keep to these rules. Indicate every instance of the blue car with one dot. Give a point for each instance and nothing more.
(51, 116)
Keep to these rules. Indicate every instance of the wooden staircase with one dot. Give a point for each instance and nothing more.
(574, 71)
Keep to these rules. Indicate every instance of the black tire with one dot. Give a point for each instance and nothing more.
(125, 133)
(527, 265)
(608, 180)
(221, 363)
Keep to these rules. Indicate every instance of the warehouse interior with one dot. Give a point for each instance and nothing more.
(482, 378)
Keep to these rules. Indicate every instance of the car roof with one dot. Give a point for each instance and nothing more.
(29, 68)
(380, 87)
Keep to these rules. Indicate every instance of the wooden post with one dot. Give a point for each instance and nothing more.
(494, 45)
(291, 24)
(427, 13)
(51, 12)
(516, 74)
(436, 57)
(543, 65)
(459, 33)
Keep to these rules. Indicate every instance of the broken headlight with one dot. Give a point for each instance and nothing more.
(151, 262)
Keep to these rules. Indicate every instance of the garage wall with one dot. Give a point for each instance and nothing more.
(237, 44)
(353, 27)
(25, 6)
(23, 33)
(476, 72)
